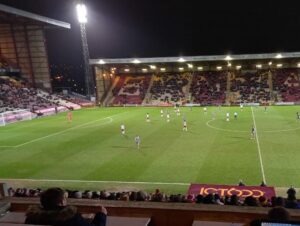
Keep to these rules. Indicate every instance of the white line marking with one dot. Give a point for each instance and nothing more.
(7, 146)
(227, 130)
(54, 134)
(95, 181)
(258, 148)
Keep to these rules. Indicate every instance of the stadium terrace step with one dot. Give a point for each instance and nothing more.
(214, 223)
(18, 218)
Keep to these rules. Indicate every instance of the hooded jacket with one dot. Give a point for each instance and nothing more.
(62, 216)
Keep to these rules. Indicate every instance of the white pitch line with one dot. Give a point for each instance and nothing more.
(95, 181)
(60, 132)
(258, 148)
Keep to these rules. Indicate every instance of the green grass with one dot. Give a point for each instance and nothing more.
(91, 148)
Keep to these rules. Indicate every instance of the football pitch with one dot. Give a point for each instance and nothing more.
(91, 153)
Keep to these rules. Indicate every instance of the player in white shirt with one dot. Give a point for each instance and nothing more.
(161, 113)
(227, 116)
(123, 129)
(241, 106)
(147, 117)
(235, 115)
(184, 125)
(205, 109)
(137, 141)
(168, 117)
(178, 112)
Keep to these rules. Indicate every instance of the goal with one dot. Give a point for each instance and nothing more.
(14, 116)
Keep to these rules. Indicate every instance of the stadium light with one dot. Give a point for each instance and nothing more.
(104, 75)
(126, 69)
(181, 59)
(279, 65)
(200, 68)
(238, 67)
(219, 68)
(278, 56)
(162, 69)
(229, 64)
(181, 69)
(136, 61)
(190, 66)
(152, 67)
(258, 66)
(144, 69)
(81, 13)
(228, 57)
(298, 65)
(101, 62)
(270, 63)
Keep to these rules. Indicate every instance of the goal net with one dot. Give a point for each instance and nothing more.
(14, 116)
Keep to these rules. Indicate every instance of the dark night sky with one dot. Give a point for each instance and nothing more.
(152, 28)
(143, 28)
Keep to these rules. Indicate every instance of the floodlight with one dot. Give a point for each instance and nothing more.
(298, 65)
(136, 61)
(144, 69)
(238, 67)
(278, 56)
(200, 68)
(181, 59)
(181, 69)
(190, 65)
(219, 68)
(258, 66)
(101, 62)
(126, 69)
(81, 13)
(152, 67)
(229, 64)
(279, 65)
(270, 63)
(228, 57)
(162, 69)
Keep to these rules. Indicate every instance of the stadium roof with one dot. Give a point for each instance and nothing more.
(196, 58)
(18, 15)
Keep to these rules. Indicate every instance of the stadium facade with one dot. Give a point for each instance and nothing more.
(23, 44)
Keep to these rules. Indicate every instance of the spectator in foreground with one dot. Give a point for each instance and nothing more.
(55, 211)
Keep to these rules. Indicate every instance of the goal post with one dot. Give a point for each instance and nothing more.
(14, 116)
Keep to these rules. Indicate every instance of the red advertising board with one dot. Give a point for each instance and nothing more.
(223, 190)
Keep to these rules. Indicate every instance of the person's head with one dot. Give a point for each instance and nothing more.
(53, 198)
(279, 213)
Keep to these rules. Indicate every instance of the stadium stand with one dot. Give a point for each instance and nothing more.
(16, 94)
(130, 89)
(286, 84)
(250, 87)
(209, 88)
(170, 88)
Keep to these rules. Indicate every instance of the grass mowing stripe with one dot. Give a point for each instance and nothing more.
(54, 134)
(258, 148)
(96, 181)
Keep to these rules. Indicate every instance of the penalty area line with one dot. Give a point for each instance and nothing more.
(66, 130)
(95, 181)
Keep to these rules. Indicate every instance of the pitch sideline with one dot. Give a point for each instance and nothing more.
(95, 181)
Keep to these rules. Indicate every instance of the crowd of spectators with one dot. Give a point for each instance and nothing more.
(158, 196)
(131, 90)
(170, 88)
(17, 95)
(209, 88)
(251, 87)
(286, 84)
